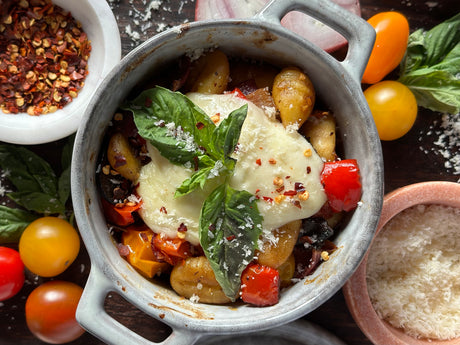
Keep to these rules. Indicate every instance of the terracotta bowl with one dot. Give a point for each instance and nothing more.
(355, 289)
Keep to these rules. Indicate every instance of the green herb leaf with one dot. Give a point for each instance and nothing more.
(225, 136)
(431, 65)
(13, 221)
(173, 124)
(27, 171)
(37, 187)
(230, 225)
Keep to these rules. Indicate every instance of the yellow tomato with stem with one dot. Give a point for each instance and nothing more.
(48, 246)
(393, 107)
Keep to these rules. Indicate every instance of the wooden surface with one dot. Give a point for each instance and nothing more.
(413, 158)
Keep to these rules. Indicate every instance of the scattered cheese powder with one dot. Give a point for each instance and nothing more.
(417, 287)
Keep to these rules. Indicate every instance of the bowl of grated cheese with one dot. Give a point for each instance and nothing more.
(412, 296)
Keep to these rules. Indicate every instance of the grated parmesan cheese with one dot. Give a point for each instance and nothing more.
(417, 288)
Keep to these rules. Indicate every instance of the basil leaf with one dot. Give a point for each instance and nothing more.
(174, 125)
(38, 202)
(226, 135)
(27, 171)
(230, 225)
(431, 65)
(13, 221)
(435, 90)
(198, 179)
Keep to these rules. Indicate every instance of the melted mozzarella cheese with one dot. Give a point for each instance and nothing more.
(267, 155)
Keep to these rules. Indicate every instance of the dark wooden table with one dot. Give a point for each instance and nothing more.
(414, 158)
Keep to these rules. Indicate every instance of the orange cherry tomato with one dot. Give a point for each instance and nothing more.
(50, 312)
(392, 34)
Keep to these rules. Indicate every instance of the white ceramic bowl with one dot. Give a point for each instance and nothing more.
(337, 83)
(101, 27)
(355, 289)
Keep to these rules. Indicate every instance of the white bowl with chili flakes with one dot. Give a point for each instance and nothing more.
(55, 111)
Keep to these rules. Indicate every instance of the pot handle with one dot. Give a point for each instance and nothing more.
(359, 34)
(92, 316)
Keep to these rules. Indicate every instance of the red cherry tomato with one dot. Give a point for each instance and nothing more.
(50, 312)
(392, 34)
(341, 181)
(260, 285)
(11, 273)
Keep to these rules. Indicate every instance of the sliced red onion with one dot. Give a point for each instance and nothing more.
(300, 23)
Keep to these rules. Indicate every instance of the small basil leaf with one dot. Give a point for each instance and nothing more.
(13, 221)
(230, 225)
(226, 135)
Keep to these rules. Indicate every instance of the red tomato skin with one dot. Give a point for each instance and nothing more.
(341, 181)
(392, 35)
(50, 312)
(260, 285)
(11, 273)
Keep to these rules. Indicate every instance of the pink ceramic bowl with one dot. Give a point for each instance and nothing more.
(355, 289)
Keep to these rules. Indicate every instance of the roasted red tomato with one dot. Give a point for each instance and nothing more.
(260, 285)
(341, 181)
(392, 34)
(50, 312)
(11, 273)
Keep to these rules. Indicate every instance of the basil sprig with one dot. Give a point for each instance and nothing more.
(37, 188)
(431, 65)
(230, 225)
(230, 222)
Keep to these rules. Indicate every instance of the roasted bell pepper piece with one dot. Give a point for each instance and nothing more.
(120, 215)
(140, 254)
(171, 250)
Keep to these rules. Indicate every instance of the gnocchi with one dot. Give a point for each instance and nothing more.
(285, 95)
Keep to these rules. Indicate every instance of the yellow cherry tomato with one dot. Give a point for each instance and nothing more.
(393, 107)
(48, 246)
(392, 34)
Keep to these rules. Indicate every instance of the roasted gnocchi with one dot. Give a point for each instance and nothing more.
(164, 234)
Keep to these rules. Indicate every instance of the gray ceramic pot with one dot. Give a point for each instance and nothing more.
(261, 37)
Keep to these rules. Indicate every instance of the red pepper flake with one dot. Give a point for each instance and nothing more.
(290, 193)
(237, 92)
(230, 238)
(200, 125)
(272, 161)
(258, 162)
(308, 170)
(182, 227)
(267, 199)
(299, 187)
(296, 203)
(163, 210)
(43, 58)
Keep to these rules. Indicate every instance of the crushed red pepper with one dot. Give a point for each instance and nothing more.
(44, 54)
